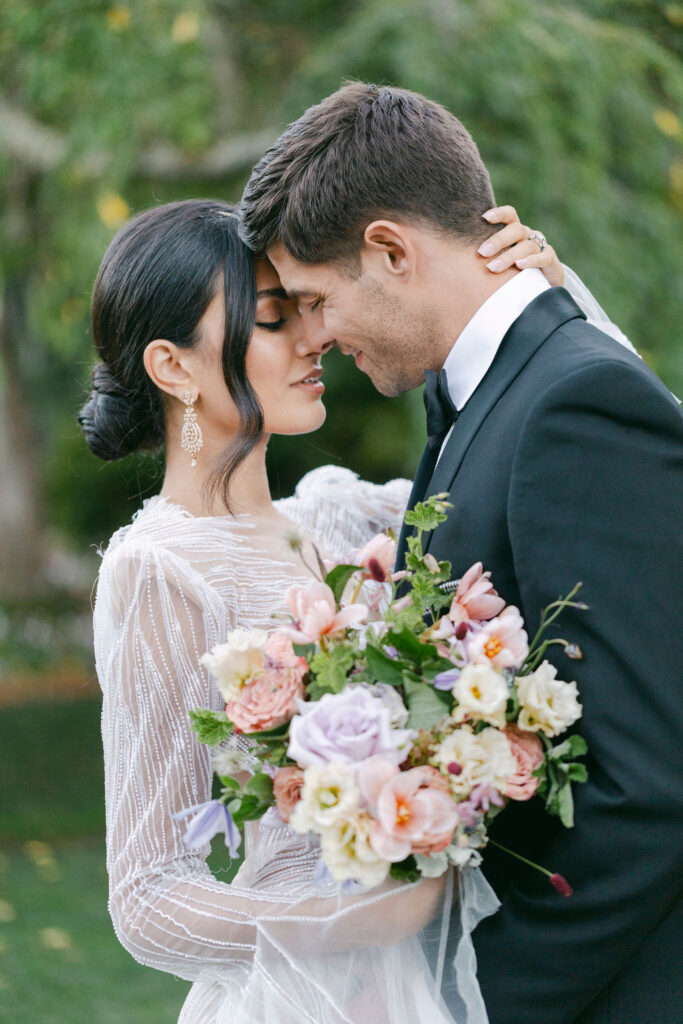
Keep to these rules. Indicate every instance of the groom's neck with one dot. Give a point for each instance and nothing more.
(460, 286)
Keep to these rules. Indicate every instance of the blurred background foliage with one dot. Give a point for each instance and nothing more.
(107, 108)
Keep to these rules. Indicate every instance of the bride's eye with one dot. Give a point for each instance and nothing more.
(273, 325)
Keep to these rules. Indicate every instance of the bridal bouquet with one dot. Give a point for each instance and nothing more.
(394, 715)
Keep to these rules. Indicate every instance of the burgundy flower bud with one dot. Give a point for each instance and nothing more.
(454, 768)
(376, 571)
(562, 885)
(461, 631)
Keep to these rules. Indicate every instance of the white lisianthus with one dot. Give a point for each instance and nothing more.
(484, 759)
(548, 705)
(348, 852)
(329, 794)
(482, 694)
(236, 662)
(391, 699)
(229, 761)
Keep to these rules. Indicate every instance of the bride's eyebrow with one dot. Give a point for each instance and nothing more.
(272, 293)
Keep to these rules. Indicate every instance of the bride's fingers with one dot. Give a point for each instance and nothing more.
(501, 215)
(547, 261)
(503, 239)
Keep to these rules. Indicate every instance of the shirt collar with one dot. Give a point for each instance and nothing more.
(476, 347)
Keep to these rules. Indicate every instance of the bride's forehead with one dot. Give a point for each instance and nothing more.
(266, 274)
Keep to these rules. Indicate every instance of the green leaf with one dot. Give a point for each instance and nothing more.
(212, 727)
(338, 577)
(229, 782)
(565, 803)
(261, 786)
(330, 670)
(406, 870)
(384, 668)
(277, 733)
(304, 651)
(426, 706)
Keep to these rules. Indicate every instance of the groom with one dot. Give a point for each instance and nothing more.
(563, 457)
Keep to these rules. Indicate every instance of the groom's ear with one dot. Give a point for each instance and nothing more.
(389, 247)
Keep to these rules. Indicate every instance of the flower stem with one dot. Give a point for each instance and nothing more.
(519, 857)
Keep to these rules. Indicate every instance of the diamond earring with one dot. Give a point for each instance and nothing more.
(191, 438)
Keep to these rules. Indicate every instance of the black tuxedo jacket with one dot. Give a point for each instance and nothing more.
(565, 465)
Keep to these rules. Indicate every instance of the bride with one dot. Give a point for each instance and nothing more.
(203, 354)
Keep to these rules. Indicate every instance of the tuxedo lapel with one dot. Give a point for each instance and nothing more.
(538, 321)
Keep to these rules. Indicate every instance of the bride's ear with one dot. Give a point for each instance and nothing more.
(168, 366)
(389, 247)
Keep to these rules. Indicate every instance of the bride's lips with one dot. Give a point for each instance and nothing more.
(311, 382)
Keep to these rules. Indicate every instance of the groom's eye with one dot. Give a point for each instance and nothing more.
(273, 325)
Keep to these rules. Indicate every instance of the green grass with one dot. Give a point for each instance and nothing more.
(53, 876)
(75, 972)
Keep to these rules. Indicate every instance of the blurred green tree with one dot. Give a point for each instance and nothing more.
(107, 108)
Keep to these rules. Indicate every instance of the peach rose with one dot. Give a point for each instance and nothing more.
(279, 650)
(287, 786)
(269, 701)
(528, 751)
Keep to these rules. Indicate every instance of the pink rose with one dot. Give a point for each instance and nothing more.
(378, 557)
(528, 751)
(315, 613)
(414, 810)
(475, 599)
(279, 651)
(287, 786)
(269, 701)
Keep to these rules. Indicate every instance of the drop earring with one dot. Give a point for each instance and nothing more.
(191, 438)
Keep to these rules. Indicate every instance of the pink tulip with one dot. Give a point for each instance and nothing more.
(378, 557)
(414, 810)
(502, 642)
(315, 613)
(475, 597)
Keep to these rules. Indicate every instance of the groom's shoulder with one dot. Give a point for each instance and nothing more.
(580, 364)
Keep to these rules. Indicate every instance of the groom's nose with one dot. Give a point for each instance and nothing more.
(316, 336)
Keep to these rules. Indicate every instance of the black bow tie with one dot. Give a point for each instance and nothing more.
(441, 413)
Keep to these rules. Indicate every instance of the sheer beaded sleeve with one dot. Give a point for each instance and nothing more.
(275, 945)
(343, 511)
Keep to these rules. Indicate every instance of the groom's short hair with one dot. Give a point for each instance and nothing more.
(365, 152)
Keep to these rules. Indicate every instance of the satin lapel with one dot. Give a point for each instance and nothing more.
(538, 321)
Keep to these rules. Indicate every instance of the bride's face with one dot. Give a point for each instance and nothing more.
(282, 368)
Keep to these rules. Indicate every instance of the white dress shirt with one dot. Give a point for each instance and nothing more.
(475, 349)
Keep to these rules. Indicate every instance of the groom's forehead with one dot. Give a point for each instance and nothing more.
(300, 280)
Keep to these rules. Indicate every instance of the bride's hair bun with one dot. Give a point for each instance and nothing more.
(115, 420)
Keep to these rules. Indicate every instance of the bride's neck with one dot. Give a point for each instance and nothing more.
(185, 484)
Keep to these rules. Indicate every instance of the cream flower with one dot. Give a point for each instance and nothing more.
(484, 759)
(548, 705)
(348, 852)
(482, 694)
(330, 793)
(238, 661)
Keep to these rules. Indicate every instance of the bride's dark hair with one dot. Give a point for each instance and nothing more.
(156, 280)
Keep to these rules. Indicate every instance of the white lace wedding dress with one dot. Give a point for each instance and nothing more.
(273, 947)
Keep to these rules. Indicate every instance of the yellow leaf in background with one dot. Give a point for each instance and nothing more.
(55, 938)
(112, 209)
(674, 13)
(185, 27)
(118, 17)
(38, 851)
(668, 123)
(7, 912)
(676, 176)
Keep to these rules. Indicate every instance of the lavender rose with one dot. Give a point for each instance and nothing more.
(349, 726)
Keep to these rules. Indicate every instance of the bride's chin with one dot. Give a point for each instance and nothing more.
(304, 423)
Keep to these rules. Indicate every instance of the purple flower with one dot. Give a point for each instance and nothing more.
(349, 726)
(447, 680)
(211, 818)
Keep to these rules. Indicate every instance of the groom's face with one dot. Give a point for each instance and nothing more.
(361, 317)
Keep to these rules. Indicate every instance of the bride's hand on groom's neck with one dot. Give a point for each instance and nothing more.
(516, 245)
